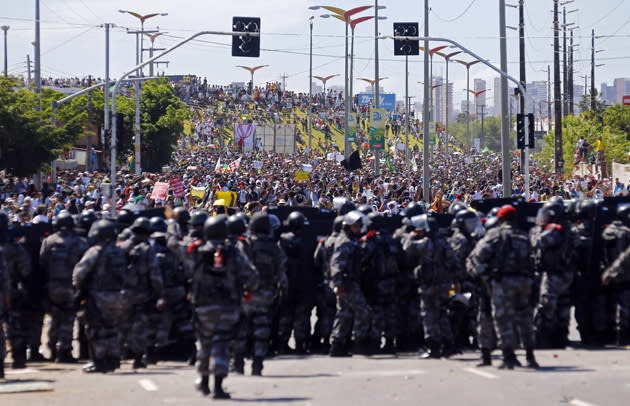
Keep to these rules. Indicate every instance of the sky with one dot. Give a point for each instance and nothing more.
(73, 40)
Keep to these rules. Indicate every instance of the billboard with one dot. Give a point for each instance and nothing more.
(279, 138)
(377, 129)
(387, 100)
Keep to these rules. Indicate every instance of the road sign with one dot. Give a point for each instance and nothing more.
(626, 100)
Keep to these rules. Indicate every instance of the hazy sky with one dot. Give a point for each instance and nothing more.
(72, 41)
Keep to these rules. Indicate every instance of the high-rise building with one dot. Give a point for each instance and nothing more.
(620, 89)
(536, 92)
(497, 97)
(478, 86)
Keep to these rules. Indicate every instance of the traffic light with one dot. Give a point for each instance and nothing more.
(246, 45)
(520, 131)
(406, 47)
(531, 130)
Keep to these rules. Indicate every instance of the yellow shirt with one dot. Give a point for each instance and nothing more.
(599, 145)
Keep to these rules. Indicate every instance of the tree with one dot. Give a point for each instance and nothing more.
(28, 140)
(618, 117)
(162, 116)
(585, 103)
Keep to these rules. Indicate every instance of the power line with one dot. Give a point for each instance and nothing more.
(456, 18)
(68, 40)
(607, 14)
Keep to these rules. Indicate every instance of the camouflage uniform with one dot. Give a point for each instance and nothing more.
(617, 275)
(464, 321)
(325, 300)
(270, 262)
(99, 275)
(19, 323)
(352, 308)
(175, 314)
(295, 310)
(434, 272)
(59, 253)
(5, 289)
(553, 247)
(216, 296)
(503, 257)
(142, 286)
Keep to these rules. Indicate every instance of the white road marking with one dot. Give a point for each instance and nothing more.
(21, 371)
(486, 375)
(402, 372)
(148, 385)
(578, 402)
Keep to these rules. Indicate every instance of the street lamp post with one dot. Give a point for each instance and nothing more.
(431, 52)
(447, 57)
(251, 70)
(477, 94)
(467, 65)
(324, 80)
(5, 28)
(152, 37)
(137, 132)
(310, 88)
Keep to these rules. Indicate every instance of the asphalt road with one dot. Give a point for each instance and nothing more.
(577, 377)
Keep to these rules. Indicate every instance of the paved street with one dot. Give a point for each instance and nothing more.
(576, 377)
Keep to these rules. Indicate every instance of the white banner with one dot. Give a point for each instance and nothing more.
(244, 135)
(622, 172)
(258, 164)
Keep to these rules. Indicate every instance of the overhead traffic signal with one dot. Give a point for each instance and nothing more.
(406, 47)
(246, 45)
(520, 131)
(531, 130)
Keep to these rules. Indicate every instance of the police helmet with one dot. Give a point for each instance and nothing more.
(124, 218)
(366, 209)
(466, 220)
(547, 213)
(181, 214)
(243, 217)
(623, 213)
(491, 222)
(455, 207)
(215, 227)
(296, 220)
(377, 221)
(356, 217)
(199, 218)
(260, 223)
(141, 225)
(63, 221)
(275, 223)
(414, 209)
(493, 211)
(587, 209)
(103, 230)
(157, 225)
(421, 223)
(236, 225)
(338, 224)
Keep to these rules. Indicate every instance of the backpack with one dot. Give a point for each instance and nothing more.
(214, 285)
(514, 254)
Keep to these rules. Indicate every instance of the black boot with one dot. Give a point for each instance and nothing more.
(151, 357)
(257, 366)
(2, 368)
(53, 353)
(202, 385)
(433, 351)
(239, 364)
(623, 337)
(219, 393)
(486, 358)
(19, 357)
(448, 349)
(389, 347)
(531, 360)
(65, 357)
(339, 349)
(137, 362)
(325, 348)
(84, 348)
(363, 347)
(509, 359)
(316, 344)
(112, 364)
(300, 347)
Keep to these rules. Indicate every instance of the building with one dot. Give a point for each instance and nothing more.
(440, 108)
(479, 101)
(497, 97)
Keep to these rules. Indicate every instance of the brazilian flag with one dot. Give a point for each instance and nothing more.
(132, 163)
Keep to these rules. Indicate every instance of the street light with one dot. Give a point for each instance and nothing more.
(5, 28)
(310, 86)
(325, 79)
(447, 57)
(152, 37)
(467, 65)
(431, 52)
(251, 70)
(372, 82)
(137, 134)
(476, 94)
(346, 18)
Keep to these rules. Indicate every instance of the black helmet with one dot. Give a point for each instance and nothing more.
(623, 213)
(275, 223)
(181, 215)
(587, 209)
(199, 218)
(124, 218)
(344, 205)
(337, 224)
(491, 222)
(260, 224)
(103, 230)
(236, 225)
(296, 220)
(413, 209)
(547, 213)
(85, 220)
(215, 227)
(63, 221)
(377, 221)
(157, 225)
(463, 215)
(243, 217)
(141, 225)
(493, 211)
(455, 207)
(422, 223)
(558, 203)
(4, 221)
(366, 209)
(356, 217)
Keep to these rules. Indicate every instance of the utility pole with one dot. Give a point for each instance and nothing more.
(593, 70)
(310, 89)
(548, 98)
(5, 28)
(565, 78)
(28, 72)
(88, 153)
(570, 80)
(557, 95)
(106, 130)
(37, 67)
(376, 92)
(521, 49)
(406, 109)
(426, 176)
(505, 125)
